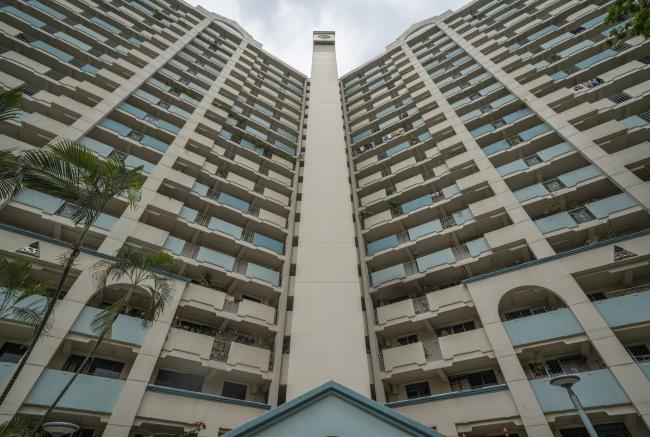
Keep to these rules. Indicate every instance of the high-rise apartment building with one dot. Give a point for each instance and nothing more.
(442, 229)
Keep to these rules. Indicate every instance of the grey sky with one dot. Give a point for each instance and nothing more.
(363, 27)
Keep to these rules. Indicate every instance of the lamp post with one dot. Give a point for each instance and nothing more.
(60, 429)
(567, 382)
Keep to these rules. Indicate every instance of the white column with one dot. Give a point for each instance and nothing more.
(327, 330)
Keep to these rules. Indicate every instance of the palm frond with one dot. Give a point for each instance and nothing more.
(102, 323)
(32, 315)
(10, 104)
(9, 184)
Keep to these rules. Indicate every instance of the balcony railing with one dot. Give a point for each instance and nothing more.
(447, 256)
(203, 254)
(590, 211)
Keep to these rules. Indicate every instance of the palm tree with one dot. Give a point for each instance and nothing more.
(9, 110)
(71, 172)
(145, 278)
(21, 299)
(17, 427)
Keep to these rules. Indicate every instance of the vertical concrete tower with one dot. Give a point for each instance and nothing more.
(327, 330)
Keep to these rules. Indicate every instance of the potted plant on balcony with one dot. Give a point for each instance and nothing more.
(146, 277)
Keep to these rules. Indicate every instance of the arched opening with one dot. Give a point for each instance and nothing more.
(528, 301)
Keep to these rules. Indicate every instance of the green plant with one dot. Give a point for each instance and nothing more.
(21, 298)
(143, 274)
(18, 427)
(9, 109)
(206, 279)
(638, 13)
(71, 172)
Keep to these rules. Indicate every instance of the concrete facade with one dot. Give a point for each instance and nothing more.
(442, 229)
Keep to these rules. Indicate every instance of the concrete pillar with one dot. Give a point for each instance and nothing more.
(327, 331)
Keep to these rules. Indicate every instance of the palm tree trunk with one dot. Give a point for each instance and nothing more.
(63, 391)
(100, 339)
(48, 312)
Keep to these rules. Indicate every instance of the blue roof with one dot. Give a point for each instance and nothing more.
(332, 388)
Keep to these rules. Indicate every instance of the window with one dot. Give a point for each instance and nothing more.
(457, 328)
(417, 390)
(11, 352)
(608, 430)
(553, 185)
(517, 314)
(409, 339)
(532, 160)
(558, 366)
(183, 381)
(234, 390)
(472, 380)
(97, 367)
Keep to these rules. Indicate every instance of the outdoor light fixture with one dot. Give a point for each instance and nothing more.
(60, 429)
(567, 382)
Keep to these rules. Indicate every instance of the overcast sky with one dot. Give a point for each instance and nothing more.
(363, 27)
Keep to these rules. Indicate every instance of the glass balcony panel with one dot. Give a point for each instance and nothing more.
(541, 33)
(126, 329)
(217, 258)
(604, 207)
(361, 135)
(445, 256)
(114, 126)
(625, 310)
(541, 327)
(265, 274)
(87, 392)
(450, 191)
(154, 142)
(414, 204)
(424, 229)
(48, 10)
(596, 58)
(512, 167)
(385, 111)
(597, 388)
(174, 245)
(263, 109)
(424, 136)
(535, 131)
(503, 100)
(233, 201)
(178, 111)
(105, 221)
(133, 161)
(96, 146)
(553, 151)
(537, 190)
(554, 222)
(387, 274)
(388, 122)
(139, 113)
(260, 120)
(594, 21)
(478, 246)
(200, 189)
(89, 69)
(169, 127)
(496, 147)
(462, 216)
(398, 148)
(73, 41)
(634, 121)
(482, 130)
(470, 115)
(573, 178)
(60, 54)
(382, 244)
(512, 117)
(557, 40)
(217, 224)
(46, 203)
(23, 16)
(269, 243)
(290, 150)
(188, 214)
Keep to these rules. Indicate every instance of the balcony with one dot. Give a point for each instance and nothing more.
(211, 299)
(229, 263)
(566, 180)
(210, 349)
(590, 211)
(558, 323)
(597, 388)
(447, 256)
(521, 137)
(87, 392)
(625, 310)
(126, 329)
(544, 155)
